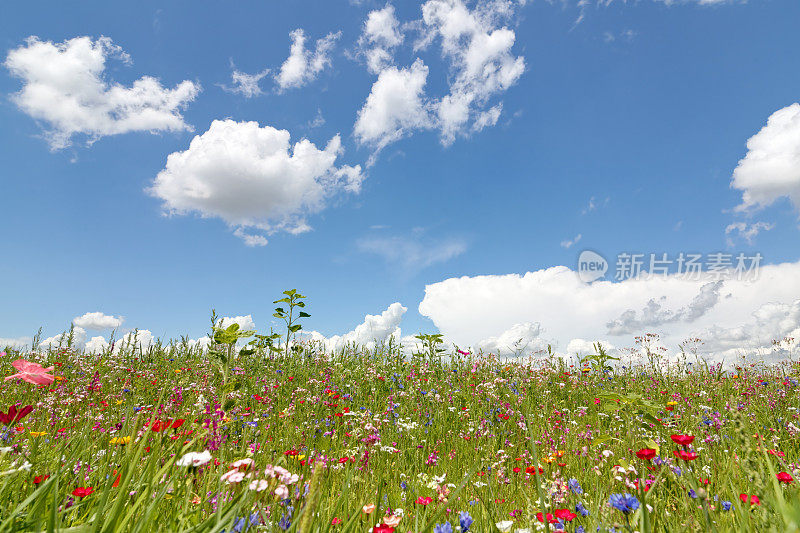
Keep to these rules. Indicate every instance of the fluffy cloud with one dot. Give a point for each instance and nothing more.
(16, 343)
(200, 344)
(64, 86)
(138, 341)
(97, 320)
(62, 339)
(582, 347)
(375, 330)
(478, 50)
(251, 177)
(246, 84)
(517, 341)
(245, 322)
(302, 66)
(654, 315)
(412, 253)
(395, 107)
(380, 36)
(96, 345)
(469, 310)
(771, 168)
(475, 47)
(771, 321)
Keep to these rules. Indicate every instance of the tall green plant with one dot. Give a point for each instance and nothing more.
(291, 314)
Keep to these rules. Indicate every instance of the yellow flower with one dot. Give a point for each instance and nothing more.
(119, 402)
(120, 440)
(38, 433)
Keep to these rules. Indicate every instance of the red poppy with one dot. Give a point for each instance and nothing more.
(382, 528)
(550, 518)
(753, 499)
(784, 477)
(646, 454)
(13, 415)
(683, 440)
(565, 514)
(686, 456)
(532, 470)
(39, 479)
(82, 492)
(424, 501)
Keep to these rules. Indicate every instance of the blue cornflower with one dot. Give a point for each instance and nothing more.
(580, 529)
(465, 521)
(239, 525)
(443, 528)
(624, 502)
(403, 485)
(726, 505)
(581, 510)
(575, 486)
(285, 523)
(692, 493)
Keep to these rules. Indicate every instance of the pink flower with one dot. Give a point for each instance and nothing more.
(32, 372)
(282, 492)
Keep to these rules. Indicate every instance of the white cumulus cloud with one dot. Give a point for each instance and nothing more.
(771, 168)
(381, 35)
(478, 48)
(14, 342)
(469, 310)
(139, 341)
(65, 87)
(375, 330)
(519, 340)
(395, 106)
(245, 322)
(62, 340)
(252, 177)
(97, 320)
(96, 345)
(303, 66)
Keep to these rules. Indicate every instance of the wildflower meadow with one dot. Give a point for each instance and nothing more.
(260, 432)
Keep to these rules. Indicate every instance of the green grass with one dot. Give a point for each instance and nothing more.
(363, 428)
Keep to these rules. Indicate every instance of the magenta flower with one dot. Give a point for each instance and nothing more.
(32, 372)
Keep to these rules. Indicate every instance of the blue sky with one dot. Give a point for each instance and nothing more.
(624, 127)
